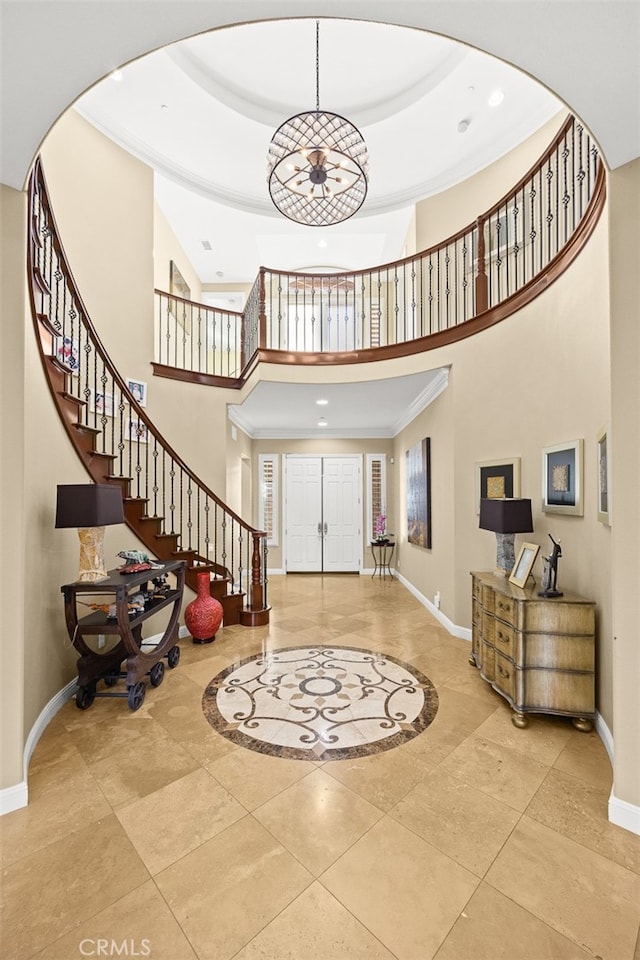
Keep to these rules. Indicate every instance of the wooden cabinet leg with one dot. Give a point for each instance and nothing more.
(520, 720)
(582, 724)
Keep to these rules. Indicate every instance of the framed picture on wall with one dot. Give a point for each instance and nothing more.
(104, 404)
(138, 390)
(604, 509)
(562, 478)
(137, 431)
(419, 494)
(496, 479)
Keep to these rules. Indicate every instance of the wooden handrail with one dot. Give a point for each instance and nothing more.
(70, 381)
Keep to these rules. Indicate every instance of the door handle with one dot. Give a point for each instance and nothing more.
(326, 529)
(319, 529)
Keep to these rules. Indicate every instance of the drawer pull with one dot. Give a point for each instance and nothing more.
(503, 673)
(503, 638)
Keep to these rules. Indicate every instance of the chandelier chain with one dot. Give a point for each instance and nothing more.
(317, 66)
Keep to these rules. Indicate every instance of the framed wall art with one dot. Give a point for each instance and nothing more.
(138, 389)
(102, 403)
(419, 494)
(604, 508)
(496, 479)
(562, 478)
(137, 431)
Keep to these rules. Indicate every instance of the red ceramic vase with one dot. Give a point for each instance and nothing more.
(203, 615)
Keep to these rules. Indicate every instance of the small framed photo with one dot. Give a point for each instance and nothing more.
(104, 404)
(524, 564)
(137, 431)
(604, 507)
(138, 389)
(496, 479)
(68, 353)
(562, 478)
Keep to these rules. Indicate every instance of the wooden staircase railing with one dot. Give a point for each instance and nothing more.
(170, 510)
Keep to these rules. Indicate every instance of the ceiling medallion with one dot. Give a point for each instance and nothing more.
(317, 165)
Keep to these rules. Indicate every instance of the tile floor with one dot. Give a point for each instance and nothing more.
(150, 835)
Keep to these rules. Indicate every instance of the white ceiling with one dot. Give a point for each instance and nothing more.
(375, 408)
(202, 112)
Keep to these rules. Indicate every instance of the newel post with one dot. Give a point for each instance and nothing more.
(482, 294)
(262, 312)
(257, 581)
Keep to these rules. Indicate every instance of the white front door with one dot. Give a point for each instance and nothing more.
(323, 514)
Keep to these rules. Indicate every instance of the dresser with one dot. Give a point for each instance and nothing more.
(537, 652)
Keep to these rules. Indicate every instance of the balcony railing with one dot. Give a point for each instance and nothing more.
(479, 275)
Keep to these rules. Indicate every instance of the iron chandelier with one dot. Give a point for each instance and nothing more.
(318, 165)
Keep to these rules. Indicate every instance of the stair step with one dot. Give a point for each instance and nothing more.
(46, 323)
(71, 398)
(84, 428)
(41, 282)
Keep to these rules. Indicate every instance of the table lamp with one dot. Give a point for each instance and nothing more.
(89, 507)
(505, 517)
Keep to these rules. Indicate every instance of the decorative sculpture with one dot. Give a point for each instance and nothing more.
(550, 575)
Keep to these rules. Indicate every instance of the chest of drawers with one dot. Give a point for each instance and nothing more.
(537, 652)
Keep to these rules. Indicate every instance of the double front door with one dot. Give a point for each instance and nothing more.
(323, 514)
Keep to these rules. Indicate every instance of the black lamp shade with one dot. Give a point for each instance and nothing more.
(506, 516)
(88, 505)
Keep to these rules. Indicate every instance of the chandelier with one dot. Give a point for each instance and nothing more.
(317, 165)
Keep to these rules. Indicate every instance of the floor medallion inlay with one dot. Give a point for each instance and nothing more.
(320, 703)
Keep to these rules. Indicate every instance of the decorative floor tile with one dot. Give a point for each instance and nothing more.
(320, 703)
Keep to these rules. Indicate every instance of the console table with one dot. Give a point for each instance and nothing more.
(536, 652)
(115, 592)
(382, 553)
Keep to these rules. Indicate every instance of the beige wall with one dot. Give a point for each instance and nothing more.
(167, 247)
(624, 218)
(459, 207)
(13, 726)
(539, 378)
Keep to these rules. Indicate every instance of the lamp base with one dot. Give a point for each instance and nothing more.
(91, 555)
(506, 556)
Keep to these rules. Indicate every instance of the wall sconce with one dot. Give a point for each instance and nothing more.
(505, 517)
(89, 507)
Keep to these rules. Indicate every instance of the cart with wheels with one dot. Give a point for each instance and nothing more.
(130, 659)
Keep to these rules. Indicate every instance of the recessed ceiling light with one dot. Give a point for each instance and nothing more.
(206, 244)
(164, 106)
(322, 422)
(496, 98)
(322, 403)
(219, 273)
(322, 243)
(464, 125)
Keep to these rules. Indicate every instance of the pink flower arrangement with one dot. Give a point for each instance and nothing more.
(381, 523)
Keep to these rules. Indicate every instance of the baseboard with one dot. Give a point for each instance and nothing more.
(13, 798)
(605, 735)
(623, 814)
(17, 796)
(463, 633)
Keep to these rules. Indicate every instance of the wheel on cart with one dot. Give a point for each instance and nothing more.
(85, 697)
(173, 657)
(111, 678)
(156, 674)
(136, 695)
